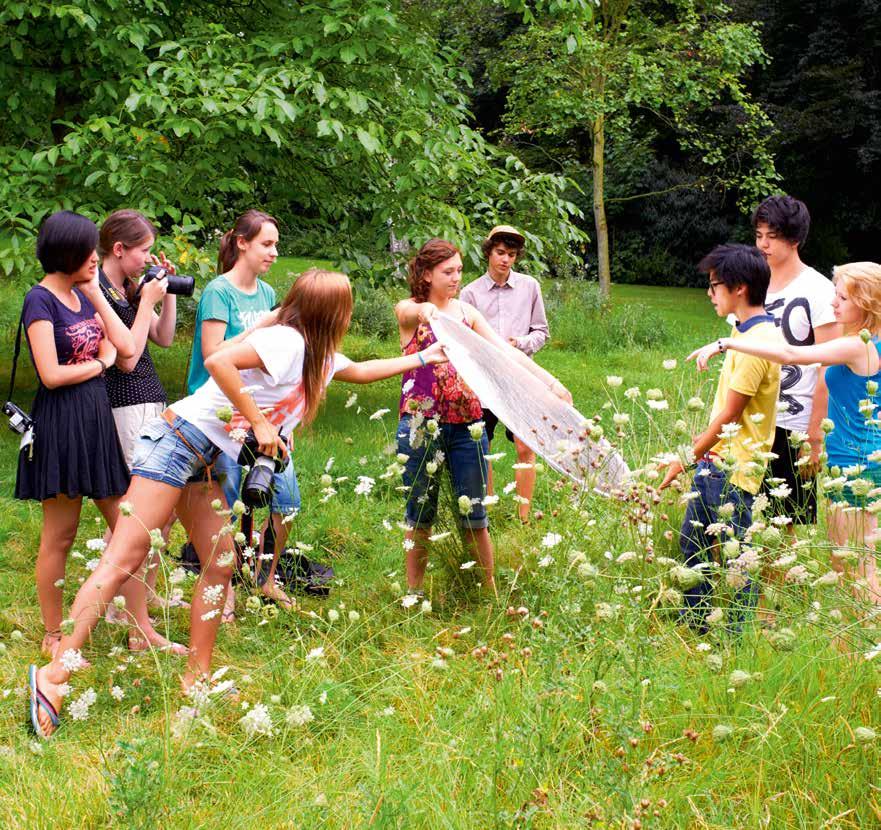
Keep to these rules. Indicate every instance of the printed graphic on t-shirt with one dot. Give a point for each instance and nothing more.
(291, 406)
(84, 337)
(248, 319)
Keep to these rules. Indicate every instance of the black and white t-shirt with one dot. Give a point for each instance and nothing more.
(142, 384)
(804, 305)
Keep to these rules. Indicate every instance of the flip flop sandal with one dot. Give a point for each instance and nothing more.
(39, 701)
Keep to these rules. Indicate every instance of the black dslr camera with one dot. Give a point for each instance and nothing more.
(257, 489)
(19, 420)
(179, 284)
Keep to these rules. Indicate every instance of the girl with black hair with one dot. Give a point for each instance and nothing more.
(73, 336)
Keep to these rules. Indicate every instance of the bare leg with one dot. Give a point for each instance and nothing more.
(857, 528)
(271, 588)
(480, 541)
(153, 502)
(61, 517)
(203, 526)
(417, 557)
(525, 478)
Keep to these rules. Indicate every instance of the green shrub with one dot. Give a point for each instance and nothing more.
(373, 314)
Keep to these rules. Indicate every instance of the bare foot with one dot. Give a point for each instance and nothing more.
(273, 591)
(144, 642)
(50, 691)
(229, 608)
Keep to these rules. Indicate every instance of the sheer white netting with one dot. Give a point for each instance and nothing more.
(553, 429)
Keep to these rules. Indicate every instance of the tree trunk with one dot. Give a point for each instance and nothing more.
(599, 206)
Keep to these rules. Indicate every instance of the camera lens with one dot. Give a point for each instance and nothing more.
(257, 489)
(181, 284)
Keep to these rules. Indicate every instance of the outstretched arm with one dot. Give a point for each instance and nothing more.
(847, 351)
(368, 371)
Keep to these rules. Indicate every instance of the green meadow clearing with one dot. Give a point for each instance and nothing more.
(590, 707)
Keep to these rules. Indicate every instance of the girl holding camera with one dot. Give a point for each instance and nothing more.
(231, 304)
(73, 336)
(272, 382)
(133, 386)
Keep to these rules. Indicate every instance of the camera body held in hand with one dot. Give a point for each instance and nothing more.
(19, 420)
(179, 284)
(258, 487)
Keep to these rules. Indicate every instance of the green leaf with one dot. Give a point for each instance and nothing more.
(368, 142)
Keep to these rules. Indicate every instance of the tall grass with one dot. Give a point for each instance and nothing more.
(591, 707)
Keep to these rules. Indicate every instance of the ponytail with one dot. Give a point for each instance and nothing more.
(247, 226)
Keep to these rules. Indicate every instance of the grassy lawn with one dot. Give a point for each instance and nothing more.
(594, 708)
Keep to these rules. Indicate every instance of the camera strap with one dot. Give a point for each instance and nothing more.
(15, 355)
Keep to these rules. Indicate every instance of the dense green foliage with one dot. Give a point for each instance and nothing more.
(346, 119)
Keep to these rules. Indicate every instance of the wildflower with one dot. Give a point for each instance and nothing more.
(437, 537)
(379, 413)
(408, 544)
(613, 381)
(315, 655)
(865, 335)
(432, 427)
(212, 594)
(782, 491)
(299, 715)
(475, 430)
(545, 561)
(364, 486)
(490, 501)
(351, 400)
(126, 508)
(871, 387)
(621, 418)
(92, 564)
(694, 404)
(333, 615)
(96, 544)
(669, 365)
(798, 575)
(828, 578)
(72, 660)
(79, 709)
(509, 488)
(739, 678)
(714, 662)
(757, 417)
(465, 506)
(716, 617)
(224, 413)
(210, 615)
(605, 611)
(659, 406)
(827, 425)
(467, 566)
(685, 577)
(495, 456)
(117, 693)
(409, 600)
(238, 435)
(722, 732)
(551, 540)
(864, 734)
(329, 464)
(431, 467)
(257, 721)
(632, 393)
(426, 606)
(354, 616)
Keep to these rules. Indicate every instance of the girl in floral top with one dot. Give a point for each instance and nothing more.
(440, 416)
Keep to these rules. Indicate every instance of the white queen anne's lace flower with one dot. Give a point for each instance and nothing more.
(257, 721)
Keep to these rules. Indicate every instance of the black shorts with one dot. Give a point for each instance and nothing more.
(801, 504)
(490, 421)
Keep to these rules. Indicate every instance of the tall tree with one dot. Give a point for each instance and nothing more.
(588, 72)
(344, 117)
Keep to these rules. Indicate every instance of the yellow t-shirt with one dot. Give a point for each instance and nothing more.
(760, 380)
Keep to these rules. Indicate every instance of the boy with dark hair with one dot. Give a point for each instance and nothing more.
(728, 457)
(512, 304)
(800, 300)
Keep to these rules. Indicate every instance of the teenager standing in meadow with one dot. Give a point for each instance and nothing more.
(231, 304)
(274, 379)
(853, 376)
(512, 304)
(440, 416)
(800, 300)
(136, 394)
(729, 455)
(73, 336)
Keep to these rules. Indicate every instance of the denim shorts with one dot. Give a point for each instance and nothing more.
(161, 454)
(285, 490)
(464, 457)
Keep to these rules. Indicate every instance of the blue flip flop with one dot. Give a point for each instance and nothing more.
(38, 701)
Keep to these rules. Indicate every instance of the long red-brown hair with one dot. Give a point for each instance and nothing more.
(319, 306)
(429, 256)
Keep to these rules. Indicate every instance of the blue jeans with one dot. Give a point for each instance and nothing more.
(285, 490)
(466, 460)
(697, 546)
(174, 454)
